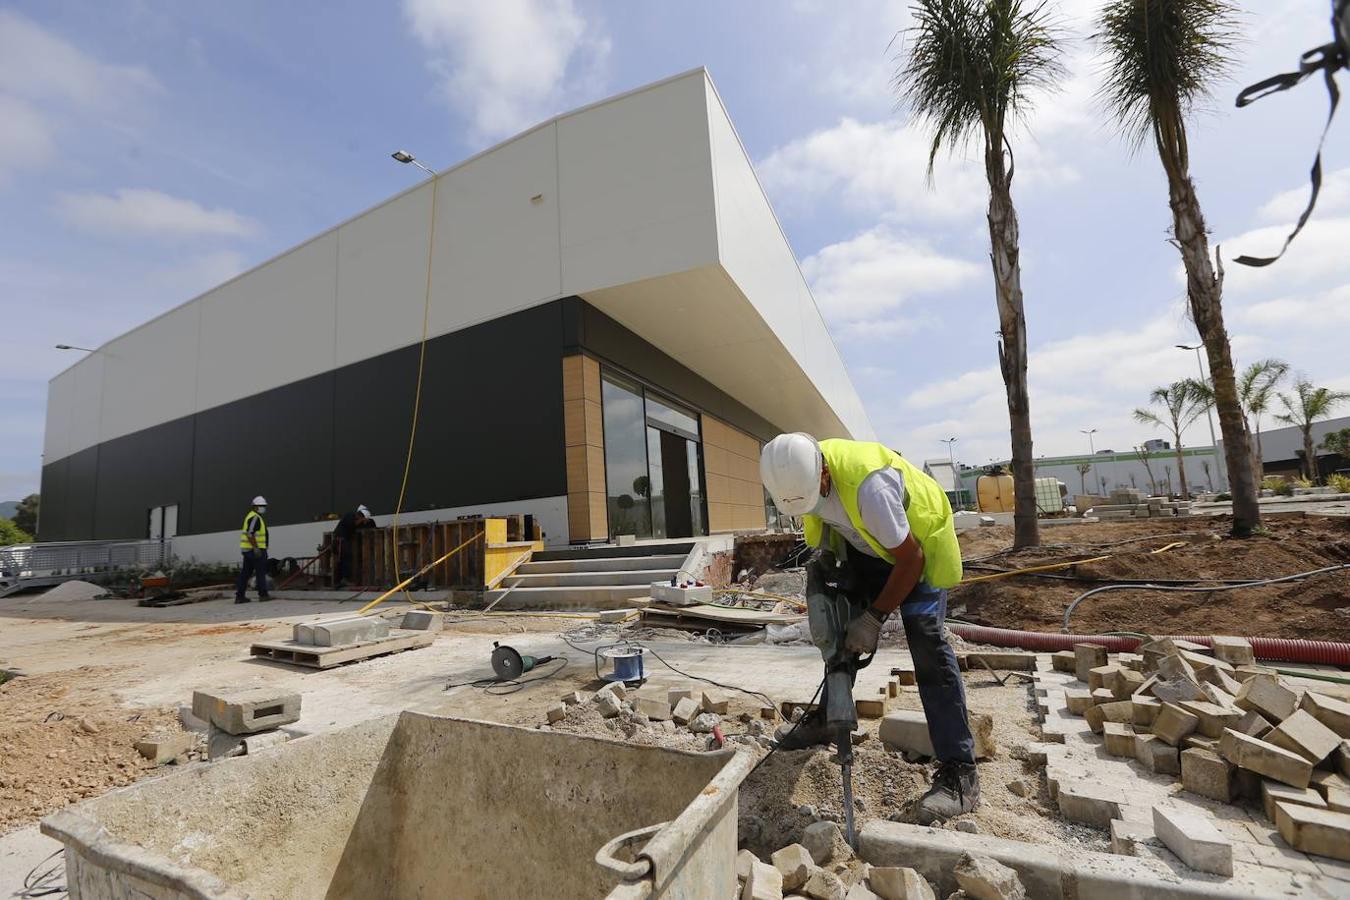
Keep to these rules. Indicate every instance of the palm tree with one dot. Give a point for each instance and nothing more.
(968, 74)
(1256, 389)
(1162, 57)
(1307, 405)
(1183, 407)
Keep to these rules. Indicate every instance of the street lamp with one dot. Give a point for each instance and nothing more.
(72, 347)
(1209, 415)
(956, 482)
(405, 157)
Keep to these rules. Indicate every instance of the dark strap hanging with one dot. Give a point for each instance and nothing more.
(1326, 59)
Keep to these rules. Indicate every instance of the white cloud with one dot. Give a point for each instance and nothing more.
(142, 211)
(882, 168)
(42, 79)
(877, 272)
(1317, 256)
(504, 62)
(1287, 206)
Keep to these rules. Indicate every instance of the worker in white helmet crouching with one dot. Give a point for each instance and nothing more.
(253, 545)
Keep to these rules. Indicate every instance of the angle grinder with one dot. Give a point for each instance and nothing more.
(508, 664)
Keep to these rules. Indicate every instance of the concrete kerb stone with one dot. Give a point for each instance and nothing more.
(165, 746)
(1194, 839)
(988, 879)
(1045, 873)
(1267, 695)
(1265, 759)
(246, 710)
(341, 632)
(762, 882)
(899, 883)
(1333, 713)
(1273, 792)
(1208, 775)
(421, 620)
(1235, 651)
(907, 730)
(795, 863)
(1312, 830)
(1302, 734)
(1086, 658)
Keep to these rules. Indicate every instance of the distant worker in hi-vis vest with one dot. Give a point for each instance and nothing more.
(253, 544)
(885, 543)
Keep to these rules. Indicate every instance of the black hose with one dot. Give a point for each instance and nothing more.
(1095, 579)
(1200, 590)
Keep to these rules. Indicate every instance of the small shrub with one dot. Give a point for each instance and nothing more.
(13, 534)
(1271, 482)
(1223, 496)
(1340, 483)
(1283, 489)
(1302, 483)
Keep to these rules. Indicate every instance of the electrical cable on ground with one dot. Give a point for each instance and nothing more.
(486, 685)
(43, 884)
(791, 731)
(1198, 590)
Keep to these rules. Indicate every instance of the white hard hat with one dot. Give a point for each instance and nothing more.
(364, 510)
(260, 500)
(790, 469)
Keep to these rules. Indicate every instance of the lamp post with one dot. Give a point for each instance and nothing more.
(1209, 415)
(951, 457)
(403, 156)
(72, 347)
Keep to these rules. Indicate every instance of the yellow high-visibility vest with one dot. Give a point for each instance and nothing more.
(926, 506)
(260, 536)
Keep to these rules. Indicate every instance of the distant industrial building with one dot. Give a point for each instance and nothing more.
(1154, 472)
(1282, 448)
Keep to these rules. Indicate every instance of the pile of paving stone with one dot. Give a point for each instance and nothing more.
(1133, 504)
(822, 866)
(684, 712)
(1228, 730)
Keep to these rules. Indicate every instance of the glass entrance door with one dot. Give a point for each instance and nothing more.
(653, 464)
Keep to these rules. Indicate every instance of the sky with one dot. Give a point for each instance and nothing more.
(151, 150)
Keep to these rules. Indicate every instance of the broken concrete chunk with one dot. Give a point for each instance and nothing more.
(1063, 661)
(1208, 775)
(1115, 711)
(1333, 713)
(1078, 700)
(763, 882)
(1098, 674)
(616, 688)
(899, 883)
(421, 620)
(246, 710)
(1267, 695)
(1304, 735)
(704, 723)
(1145, 710)
(1176, 690)
(222, 744)
(987, 879)
(165, 746)
(1314, 830)
(824, 842)
(608, 704)
(744, 860)
(1155, 755)
(1265, 759)
(654, 709)
(716, 702)
(795, 863)
(1086, 658)
(1174, 724)
(871, 709)
(907, 731)
(1213, 717)
(684, 711)
(1272, 792)
(860, 891)
(1102, 695)
(1119, 738)
(1195, 839)
(1235, 651)
(556, 713)
(675, 695)
(824, 885)
(1175, 667)
(1252, 724)
(572, 698)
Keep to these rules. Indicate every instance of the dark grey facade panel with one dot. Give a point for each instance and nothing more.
(591, 330)
(491, 430)
(142, 470)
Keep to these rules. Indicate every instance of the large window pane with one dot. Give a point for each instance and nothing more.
(696, 506)
(627, 483)
(657, 484)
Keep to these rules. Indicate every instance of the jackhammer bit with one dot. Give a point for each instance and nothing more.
(841, 717)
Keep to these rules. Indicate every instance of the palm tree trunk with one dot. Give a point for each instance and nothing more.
(1181, 470)
(1258, 461)
(1005, 252)
(1204, 289)
(1309, 453)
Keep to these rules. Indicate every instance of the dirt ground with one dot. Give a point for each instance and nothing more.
(1317, 608)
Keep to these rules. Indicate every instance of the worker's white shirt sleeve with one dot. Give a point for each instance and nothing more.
(881, 503)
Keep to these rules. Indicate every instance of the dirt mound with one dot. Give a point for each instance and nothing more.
(61, 744)
(1305, 609)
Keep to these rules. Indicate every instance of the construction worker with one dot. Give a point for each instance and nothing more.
(343, 536)
(253, 545)
(889, 526)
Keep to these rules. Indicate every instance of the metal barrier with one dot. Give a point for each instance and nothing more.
(34, 565)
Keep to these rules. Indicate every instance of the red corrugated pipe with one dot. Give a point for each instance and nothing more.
(1287, 649)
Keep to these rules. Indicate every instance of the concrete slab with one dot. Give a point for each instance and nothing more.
(246, 710)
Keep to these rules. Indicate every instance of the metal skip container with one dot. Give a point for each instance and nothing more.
(418, 805)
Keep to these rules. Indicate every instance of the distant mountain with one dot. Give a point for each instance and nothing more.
(8, 508)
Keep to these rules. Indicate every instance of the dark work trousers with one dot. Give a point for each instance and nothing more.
(255, 564)
(343, 549)
(941, 690)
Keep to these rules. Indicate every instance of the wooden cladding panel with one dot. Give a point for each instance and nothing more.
(731, 467)
(584, 443)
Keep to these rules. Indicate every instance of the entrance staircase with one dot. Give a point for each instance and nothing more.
(589, 577)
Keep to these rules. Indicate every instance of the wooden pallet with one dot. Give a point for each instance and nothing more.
(328, 657)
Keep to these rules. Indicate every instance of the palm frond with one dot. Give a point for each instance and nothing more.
(1145, 417)
(972, 66)
(1162, 58)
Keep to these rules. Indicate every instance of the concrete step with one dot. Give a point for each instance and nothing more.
(612, 564)
(608, 552)
(586, 598)
(641, 577)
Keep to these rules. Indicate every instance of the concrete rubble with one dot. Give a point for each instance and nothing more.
(1258, 765)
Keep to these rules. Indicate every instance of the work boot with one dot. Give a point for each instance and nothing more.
(955, 791)
(265, 599)
(811, 731)
(240, 599)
